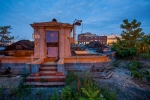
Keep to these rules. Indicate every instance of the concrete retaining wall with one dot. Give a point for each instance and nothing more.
(82, 66)
(23, 65)
(18, 65)
(85, 63)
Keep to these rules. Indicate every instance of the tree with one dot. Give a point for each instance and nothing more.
(132, 42)
(148, 39)
(131, 31)
(4, 34)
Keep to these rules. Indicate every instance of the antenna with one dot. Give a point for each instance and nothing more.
(82, 28)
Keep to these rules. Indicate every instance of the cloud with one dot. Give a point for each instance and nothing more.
(99, 16)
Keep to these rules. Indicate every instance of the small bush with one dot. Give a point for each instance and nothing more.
(91, 92)
(109, 95)
(83, 88)
(39, 92)
(136, 72)
(134, 65)
(21, 90)
(146, 74)
(1, 91)
(116, 63)
(54, 95)
(71, 77)
(67, 93)
(145, 56)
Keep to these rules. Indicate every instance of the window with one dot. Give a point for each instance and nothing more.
(18, 47)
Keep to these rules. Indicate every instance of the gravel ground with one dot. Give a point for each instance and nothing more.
(126, 87)
(9, 82)
(36, 94)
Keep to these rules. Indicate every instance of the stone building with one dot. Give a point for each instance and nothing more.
(52, 57)
(88, 37)
(52, 39)
(112, 38)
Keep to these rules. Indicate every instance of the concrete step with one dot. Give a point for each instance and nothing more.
(44, 84)
(48, 69)
(51, 74)
(49, 63)
(45, 79)
(47, 73)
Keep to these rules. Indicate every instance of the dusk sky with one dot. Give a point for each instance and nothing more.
(101, 17)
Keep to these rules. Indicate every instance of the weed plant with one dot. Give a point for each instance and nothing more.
(109, 95)
(71, 77)
(1, 91)
(116, 63)
(39, 92)
(145, 56)
(54, 96)
(20, 91)
(136, 71)
(82, 88)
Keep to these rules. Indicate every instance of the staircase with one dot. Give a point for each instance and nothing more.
(47, 76)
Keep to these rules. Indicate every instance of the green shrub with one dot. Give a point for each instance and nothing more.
(49, 98)
(83, 88)
(39, 92)
(109, 95)
(136, 73)
(91, 92)
(134, 65)
(145, 56)
(116, 63)
(71, 76)
(67, 93)
(20, 90)
(146, 74)
(1, 91)
(54, 95)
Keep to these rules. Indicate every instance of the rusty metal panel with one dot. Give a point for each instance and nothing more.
(51, 36)
(52, 51)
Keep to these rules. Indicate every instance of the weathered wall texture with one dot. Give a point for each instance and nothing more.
(18, 65)
(23, 65)
(85, 63)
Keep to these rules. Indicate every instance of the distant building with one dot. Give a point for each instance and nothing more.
(112, 38)
(20, 48)
(5, 43)
(88, 37)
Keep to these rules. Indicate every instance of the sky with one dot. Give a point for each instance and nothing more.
(101, 17)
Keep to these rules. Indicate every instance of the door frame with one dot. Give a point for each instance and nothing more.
(57, 41)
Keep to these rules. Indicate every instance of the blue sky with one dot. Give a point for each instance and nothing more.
(101, 17)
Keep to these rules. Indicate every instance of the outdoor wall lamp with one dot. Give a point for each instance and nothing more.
(78, 23)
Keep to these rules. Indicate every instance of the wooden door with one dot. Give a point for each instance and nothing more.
(52, 43)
